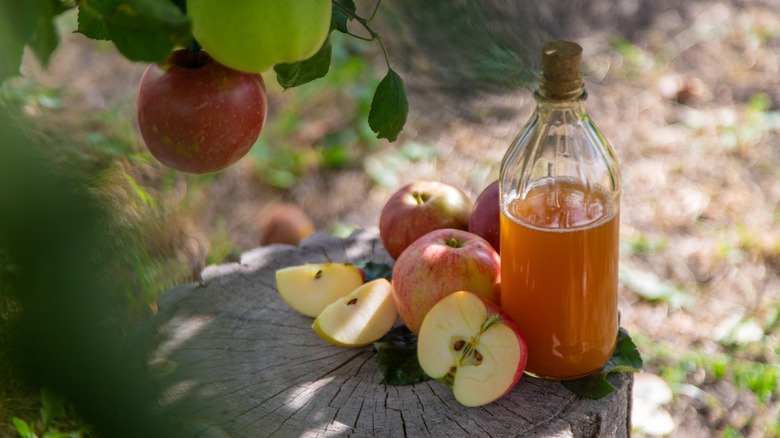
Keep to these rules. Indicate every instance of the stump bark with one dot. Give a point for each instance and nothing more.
(232, 359)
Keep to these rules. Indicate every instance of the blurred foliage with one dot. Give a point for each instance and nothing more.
(52, 236)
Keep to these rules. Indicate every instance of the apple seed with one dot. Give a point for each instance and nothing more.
(352, 301)
(459, 345)
(318, 274)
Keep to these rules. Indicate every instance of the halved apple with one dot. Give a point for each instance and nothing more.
(472, 346)
(310, 288)
(359, 318)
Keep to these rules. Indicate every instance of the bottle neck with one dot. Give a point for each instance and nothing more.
(553, 92)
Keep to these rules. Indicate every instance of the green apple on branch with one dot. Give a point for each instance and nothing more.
(255, 35)
(293, 37)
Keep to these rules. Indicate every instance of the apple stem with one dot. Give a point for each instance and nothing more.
(194, 46)
(489, 322)
(453, 242)
(421, 198)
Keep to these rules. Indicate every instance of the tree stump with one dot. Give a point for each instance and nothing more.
(232, 359)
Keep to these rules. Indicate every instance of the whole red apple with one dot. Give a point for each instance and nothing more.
(197, 115)
(485, 218)
(440, 263)
(418, 208)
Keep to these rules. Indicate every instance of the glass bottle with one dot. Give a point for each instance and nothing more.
(560, 195)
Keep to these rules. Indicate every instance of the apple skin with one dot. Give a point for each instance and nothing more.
(440, 263)
(254, 35)
(198, 116)
(286, 224)
(486, 216)
(418, 208)
(473, 346)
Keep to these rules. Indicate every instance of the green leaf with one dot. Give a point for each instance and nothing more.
(375, 270)
(147, 30)
(46, 38)
(90, 19)
(17, 26)
(396, 357)
(389, 108)
(142, 30)
(298, 73)
(625, 358)
(22, 428)
(339, 17)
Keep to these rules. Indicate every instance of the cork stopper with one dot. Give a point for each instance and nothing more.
(561, 78)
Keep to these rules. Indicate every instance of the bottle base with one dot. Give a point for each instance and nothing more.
(562, 378)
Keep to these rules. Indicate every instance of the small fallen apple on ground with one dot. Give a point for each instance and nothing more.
(360, 317)
(440, 263)
(485, 219)
(418, 208)
(310, 288)
(473, 347)
(286, 224)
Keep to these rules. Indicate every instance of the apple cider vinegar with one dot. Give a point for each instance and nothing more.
(559, 255)
(560, 213)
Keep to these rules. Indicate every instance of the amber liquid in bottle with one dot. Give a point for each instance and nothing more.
(560, 194)
(559, 277)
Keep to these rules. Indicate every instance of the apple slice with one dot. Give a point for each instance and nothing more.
(359, 318)
(472, 346)
(310, 288)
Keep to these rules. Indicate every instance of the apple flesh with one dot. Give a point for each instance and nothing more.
(473, 347)
(196, 115)
(486, 216)
(310, 288)
(255, 35)
(418, 208)
(359, 318)
(440, 263)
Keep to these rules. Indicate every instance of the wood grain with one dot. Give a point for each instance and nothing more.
(232, 359)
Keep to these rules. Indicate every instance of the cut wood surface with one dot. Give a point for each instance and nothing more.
(232, 359)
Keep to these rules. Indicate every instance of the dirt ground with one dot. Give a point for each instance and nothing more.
(688, 94)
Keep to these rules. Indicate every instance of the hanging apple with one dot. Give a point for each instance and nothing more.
(254, 35)
(198, 116)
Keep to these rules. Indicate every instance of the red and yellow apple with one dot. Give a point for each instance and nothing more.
(418, 208)
(440, 263)
(472, 346)
(485, 218)
(198, 116)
